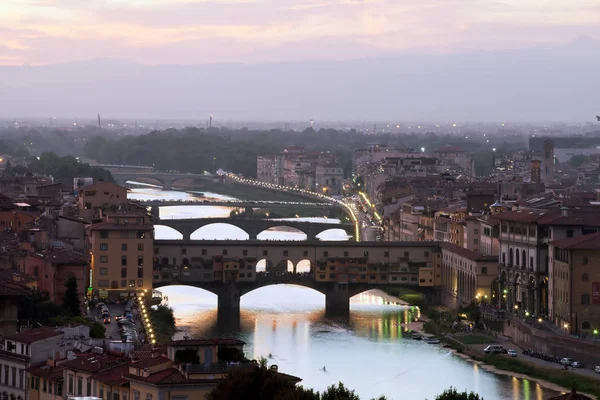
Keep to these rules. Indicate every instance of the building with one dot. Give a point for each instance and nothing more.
(574, 283)
(52, 267)
(266, 169)
(78, 372)
(468, 277)
(100, 195)
(328, 179)
(489, 229)
(10, 293)
(45, 382)
(121, 255)
(21, 350)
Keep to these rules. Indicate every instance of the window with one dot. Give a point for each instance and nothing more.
(103, 234)
(44, 385)
(585, 299)
(103, 259)
(13, 371)
(531, 262)
(585, 260)
(79, 386)
(406, 254)
(475, 241)
(123, 282)
(140, 234)
(345, 254)
(265, 253)
(21, 379)
(476, 231)
(136, 395)
(203, 252)
(103, 271)
(132, 283)
(103, 246)
(59, 389)
(484, 270)
(140, 273)
(585, 277)
(101, 392)
(141, 248)
(585, 325)
(305, 253)
(88, 384)
(570, 233)
(140, 283)
(386, 253)
(123, 246)
(148, 396)
(140, 261)
(325, 254)
(244, 253)
(156, 250)
(285, 253)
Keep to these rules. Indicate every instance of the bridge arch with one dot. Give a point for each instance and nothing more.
(304, 266)
(163, 232)
(219, 231)
(276, 233)
(337, 234)
(145, 179)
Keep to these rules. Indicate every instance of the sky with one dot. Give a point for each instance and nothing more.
(40, 32)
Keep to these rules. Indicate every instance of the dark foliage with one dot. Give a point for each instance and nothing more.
(163, 322)
(38, 309)
(71, 300)
(187, 356)
(453, 394)
(231, 354)
(64, 169)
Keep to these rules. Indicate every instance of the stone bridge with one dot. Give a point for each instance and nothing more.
(166, 179)
(253, 227)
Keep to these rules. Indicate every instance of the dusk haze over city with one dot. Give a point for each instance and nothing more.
(299, 200)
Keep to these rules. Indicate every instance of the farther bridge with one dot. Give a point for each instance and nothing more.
(252, 226)
(235, 203)
(166, 179)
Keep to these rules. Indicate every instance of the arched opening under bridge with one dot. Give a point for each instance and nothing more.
(220, 231)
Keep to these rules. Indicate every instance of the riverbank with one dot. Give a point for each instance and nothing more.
(552, 378)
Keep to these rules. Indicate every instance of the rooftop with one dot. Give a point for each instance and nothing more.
(590, 241)
(150, 362)
(47, 372)
(61, 256)
(110, 226)
(466, 253)
(8, 288)
(114, 376)
(34, 335)
(93, 363)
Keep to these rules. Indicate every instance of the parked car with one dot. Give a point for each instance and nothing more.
(511, 353)
(107, 320)
(494, 349)
(566, 361)
(576, 364)
(597, 369)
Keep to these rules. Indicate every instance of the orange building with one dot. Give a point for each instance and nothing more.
(17, 220)
(99, 195)
(53, 267)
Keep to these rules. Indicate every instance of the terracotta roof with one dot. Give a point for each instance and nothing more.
(61, 256)
(109, 226)
(4, 353)
(92, 363)
(150, 362)
(571, 396)
(8, 287)
(471, 255)
(166, 376)
(524, 216)
(101, 184)
(114, 376)
(75, 219)
(590, 241)
(205, 342)
(45, 371)
(490, 220)
(34, 335)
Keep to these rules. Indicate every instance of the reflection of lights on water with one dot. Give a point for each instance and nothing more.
(539, 395)
(526, 390)
(515, 387)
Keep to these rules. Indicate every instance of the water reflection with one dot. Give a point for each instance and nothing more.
(370, 350)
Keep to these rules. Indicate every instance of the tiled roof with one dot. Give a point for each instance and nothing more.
(571, 396)
(61, 256)
(150, 362)
(101, 184)
(54, 374)
(471, 255)
(114, 376)
(109, 226)
(92, 363)
(523, 216)
(166, 376)
(4, 353)
(8, 287)
(590, 241)
(205, 342)
(34, 335)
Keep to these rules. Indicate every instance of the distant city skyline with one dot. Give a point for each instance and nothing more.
(39, 32)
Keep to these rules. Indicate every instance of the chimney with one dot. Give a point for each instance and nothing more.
(564, 211)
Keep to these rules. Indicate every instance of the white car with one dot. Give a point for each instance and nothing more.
(597, 369)
(577, 364)
(511, 353)
(566, 361)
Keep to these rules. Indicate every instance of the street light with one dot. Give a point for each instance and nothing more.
(566, 326)
(595, 333)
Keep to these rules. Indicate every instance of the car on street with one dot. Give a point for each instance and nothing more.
(577, 364)
(597, 369)
(511, 353)
(107, 320)
(494, 349)
(566, 361)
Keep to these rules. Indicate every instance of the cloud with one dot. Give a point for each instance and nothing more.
(49, 31)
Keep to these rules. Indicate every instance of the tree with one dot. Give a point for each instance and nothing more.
(339, 392)
(163, 321)
(453, 394)
(71, 301)
(37, 308)
(231, 354)
(578, 160)
(259, 383)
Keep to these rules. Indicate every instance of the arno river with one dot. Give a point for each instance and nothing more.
(370, 353)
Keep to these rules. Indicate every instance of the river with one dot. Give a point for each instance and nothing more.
(370, 353)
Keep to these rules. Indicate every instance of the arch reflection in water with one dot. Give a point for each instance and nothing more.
(370, 351)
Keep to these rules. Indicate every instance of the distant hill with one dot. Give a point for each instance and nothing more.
(537, 84)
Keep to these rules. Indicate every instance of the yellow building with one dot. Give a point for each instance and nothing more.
(45, 382)
(121, 251)
(467, 276)
(78, 373)
(111, 383)
(574, 283)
